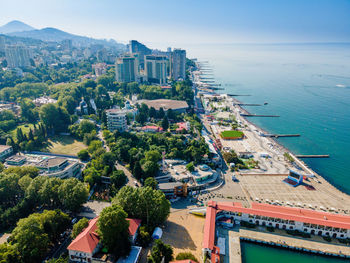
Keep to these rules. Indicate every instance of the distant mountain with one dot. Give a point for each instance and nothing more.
(15, 26)
(56, 35)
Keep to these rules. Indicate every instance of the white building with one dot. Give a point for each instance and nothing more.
(99, 69)
(5, 151)
(116, 119)
(52, 166)
(156, 69)
(17, 56)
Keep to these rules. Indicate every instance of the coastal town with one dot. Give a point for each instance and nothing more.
(131, 154)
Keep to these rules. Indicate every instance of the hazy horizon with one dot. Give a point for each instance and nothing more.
(160, 23)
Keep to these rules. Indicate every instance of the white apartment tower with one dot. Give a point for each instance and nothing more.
(116, 120)
(17, 56)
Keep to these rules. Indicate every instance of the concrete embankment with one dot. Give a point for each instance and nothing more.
(298, 244)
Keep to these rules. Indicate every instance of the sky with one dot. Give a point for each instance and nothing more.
(170, 23)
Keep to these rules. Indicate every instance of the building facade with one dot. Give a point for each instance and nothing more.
(116, 120)
(17, 56)
(141, 50)
(5, 151)
(288, 218)
(178, 64)
(156, 69)
(126, 69)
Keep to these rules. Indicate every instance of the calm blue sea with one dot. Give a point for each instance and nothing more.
(308, 85)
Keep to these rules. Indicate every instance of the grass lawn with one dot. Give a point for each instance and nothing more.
(64, 145)
(25, 129)
(232, 134)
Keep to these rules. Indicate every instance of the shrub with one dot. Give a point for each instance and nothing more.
(186, 255)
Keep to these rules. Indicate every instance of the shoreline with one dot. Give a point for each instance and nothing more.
(285, 149)
(324, 185)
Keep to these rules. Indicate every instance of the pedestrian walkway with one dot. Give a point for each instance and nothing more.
(235, 247)
(295, 243)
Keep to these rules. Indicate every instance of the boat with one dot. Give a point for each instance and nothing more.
(265, 103)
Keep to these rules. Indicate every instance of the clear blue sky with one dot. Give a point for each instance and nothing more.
(174, 22)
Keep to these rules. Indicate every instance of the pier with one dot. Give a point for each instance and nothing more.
(236, 95)
(248, 104)
(281, 135)
(294, 243)
(313, 156)
(259, 115)
(235, 247)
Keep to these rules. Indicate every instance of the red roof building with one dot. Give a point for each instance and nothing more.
(87, 243)
(182, 126)
(184, 261)
(151, 128)
(304, 220)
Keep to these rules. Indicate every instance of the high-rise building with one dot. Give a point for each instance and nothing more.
(156, 69)
(67, 44)
(116, 120)
(126, 69)
(141, 50)
(2, 43)
(178, 64)
(17, 56)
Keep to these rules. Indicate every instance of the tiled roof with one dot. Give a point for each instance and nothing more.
(133, 225)
(87, 240)
(286, 213)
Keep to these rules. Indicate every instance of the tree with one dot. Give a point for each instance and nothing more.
(144, 237)
(151, 206)
(151, 182)
(54, 117)
(160, 113)
(186, 255)
(72, 194)
(190, 167)
(113, 229)
(150, 169)
(152, 113)
(137, 171)
(160, 251)
(94, 145)
(79, 226)
(9, 253)
(165, 123)
(30, 239)
(118, 179)
(83, 155)
(27, 110)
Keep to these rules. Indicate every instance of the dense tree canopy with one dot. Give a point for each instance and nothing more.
(113, 229)
(145, 203)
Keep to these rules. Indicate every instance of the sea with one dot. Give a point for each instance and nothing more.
(308, 86)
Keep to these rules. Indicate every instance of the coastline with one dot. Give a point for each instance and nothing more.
(322, 184)
(285, 149)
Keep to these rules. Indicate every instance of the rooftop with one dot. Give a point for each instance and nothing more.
(4, 147)
(169, 186)
(165, 104)
(286, 213)
(87, 240)
(52, 162)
